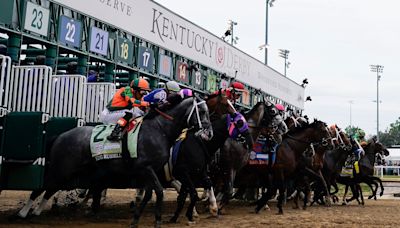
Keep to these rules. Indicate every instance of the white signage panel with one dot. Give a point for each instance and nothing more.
(164, 28)
(36, 19)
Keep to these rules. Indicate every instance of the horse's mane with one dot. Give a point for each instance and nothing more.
(307, 125)
(211, 96)
(253, 110)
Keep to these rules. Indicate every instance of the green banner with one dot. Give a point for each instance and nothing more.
(211, 83)
(7, 9)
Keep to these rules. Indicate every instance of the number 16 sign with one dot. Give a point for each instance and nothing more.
(70, 31)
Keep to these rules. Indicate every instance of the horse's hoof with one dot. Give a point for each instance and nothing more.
(191, 223)
(134, 225)
(213, 212)
(15, 217)
(157, 224)
(280, 213)
(173, 219)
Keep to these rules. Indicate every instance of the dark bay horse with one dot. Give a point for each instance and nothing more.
(72, 166)
(289, 157)
(366, 167)
(234, 154)
(194, 157)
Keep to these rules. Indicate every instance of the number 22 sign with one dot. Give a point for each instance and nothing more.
(70, 31)
(98, 41)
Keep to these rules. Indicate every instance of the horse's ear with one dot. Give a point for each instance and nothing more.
(220, 92)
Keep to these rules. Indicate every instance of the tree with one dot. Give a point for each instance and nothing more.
(355, 132)
(391, 136)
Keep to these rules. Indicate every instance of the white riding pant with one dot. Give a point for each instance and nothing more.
(111, 117)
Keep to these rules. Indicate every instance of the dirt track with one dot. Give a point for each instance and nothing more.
(381, 213)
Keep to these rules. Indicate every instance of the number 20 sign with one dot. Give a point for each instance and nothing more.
(98, 41)
(70, 31)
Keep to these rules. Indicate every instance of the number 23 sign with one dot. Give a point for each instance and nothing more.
(70, 31)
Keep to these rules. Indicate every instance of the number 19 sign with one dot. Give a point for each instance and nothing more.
(70, 31)
(98, 41)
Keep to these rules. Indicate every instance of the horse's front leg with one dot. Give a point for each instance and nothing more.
(210, 194)
(151, 182)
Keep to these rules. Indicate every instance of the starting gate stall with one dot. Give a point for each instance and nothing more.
(98, 95)
(67, 96)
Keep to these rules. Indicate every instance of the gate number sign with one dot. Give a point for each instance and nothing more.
(70, 31)
(36, 19)
(98, 41)
(124, 50)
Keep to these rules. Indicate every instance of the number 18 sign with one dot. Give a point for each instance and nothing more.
(70, 31)
(98, 41)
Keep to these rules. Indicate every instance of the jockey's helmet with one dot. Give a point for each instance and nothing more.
(173, 86)
(140, 84)
(280, 107)
(237, 87)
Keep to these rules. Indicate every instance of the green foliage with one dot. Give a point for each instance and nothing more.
(392, 135)
(355, 132)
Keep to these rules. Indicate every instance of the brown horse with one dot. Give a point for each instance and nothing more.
(333, 162)
(289, 157)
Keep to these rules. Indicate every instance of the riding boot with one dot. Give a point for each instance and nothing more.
(116, 133)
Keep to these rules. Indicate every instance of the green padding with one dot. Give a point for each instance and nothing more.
(58, 125)
(22, 177)
(23, 137)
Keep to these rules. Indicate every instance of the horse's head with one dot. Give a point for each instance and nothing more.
(293, 121)
(339, 138)
(197, 117)
(271, 121)
(320, 134)
(374, 149)
(218, 105)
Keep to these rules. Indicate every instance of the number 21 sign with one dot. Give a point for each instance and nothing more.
(98, 41)
(70, 31)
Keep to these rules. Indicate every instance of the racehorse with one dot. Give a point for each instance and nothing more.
(333, 162)
(366, 171)
(194, 156)
(250, 176)
(72, 165)
(288, 159)
(234, 154)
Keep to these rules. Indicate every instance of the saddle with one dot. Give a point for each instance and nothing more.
(263, 152)
(102, 148)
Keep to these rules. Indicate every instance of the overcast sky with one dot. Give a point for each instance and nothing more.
(331, 42)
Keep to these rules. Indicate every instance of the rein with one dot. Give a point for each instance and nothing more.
(165, 115)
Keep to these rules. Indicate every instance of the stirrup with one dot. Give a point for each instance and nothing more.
(113, 137)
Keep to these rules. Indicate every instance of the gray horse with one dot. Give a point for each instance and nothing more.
(72, 166)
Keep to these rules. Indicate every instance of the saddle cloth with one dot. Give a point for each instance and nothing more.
(102, 148)
(133, 135)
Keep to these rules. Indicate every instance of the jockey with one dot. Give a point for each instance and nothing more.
(358, 151)
(161, 96)
(281, 110)
(186, 93)
(126, 104)
(233, 92)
